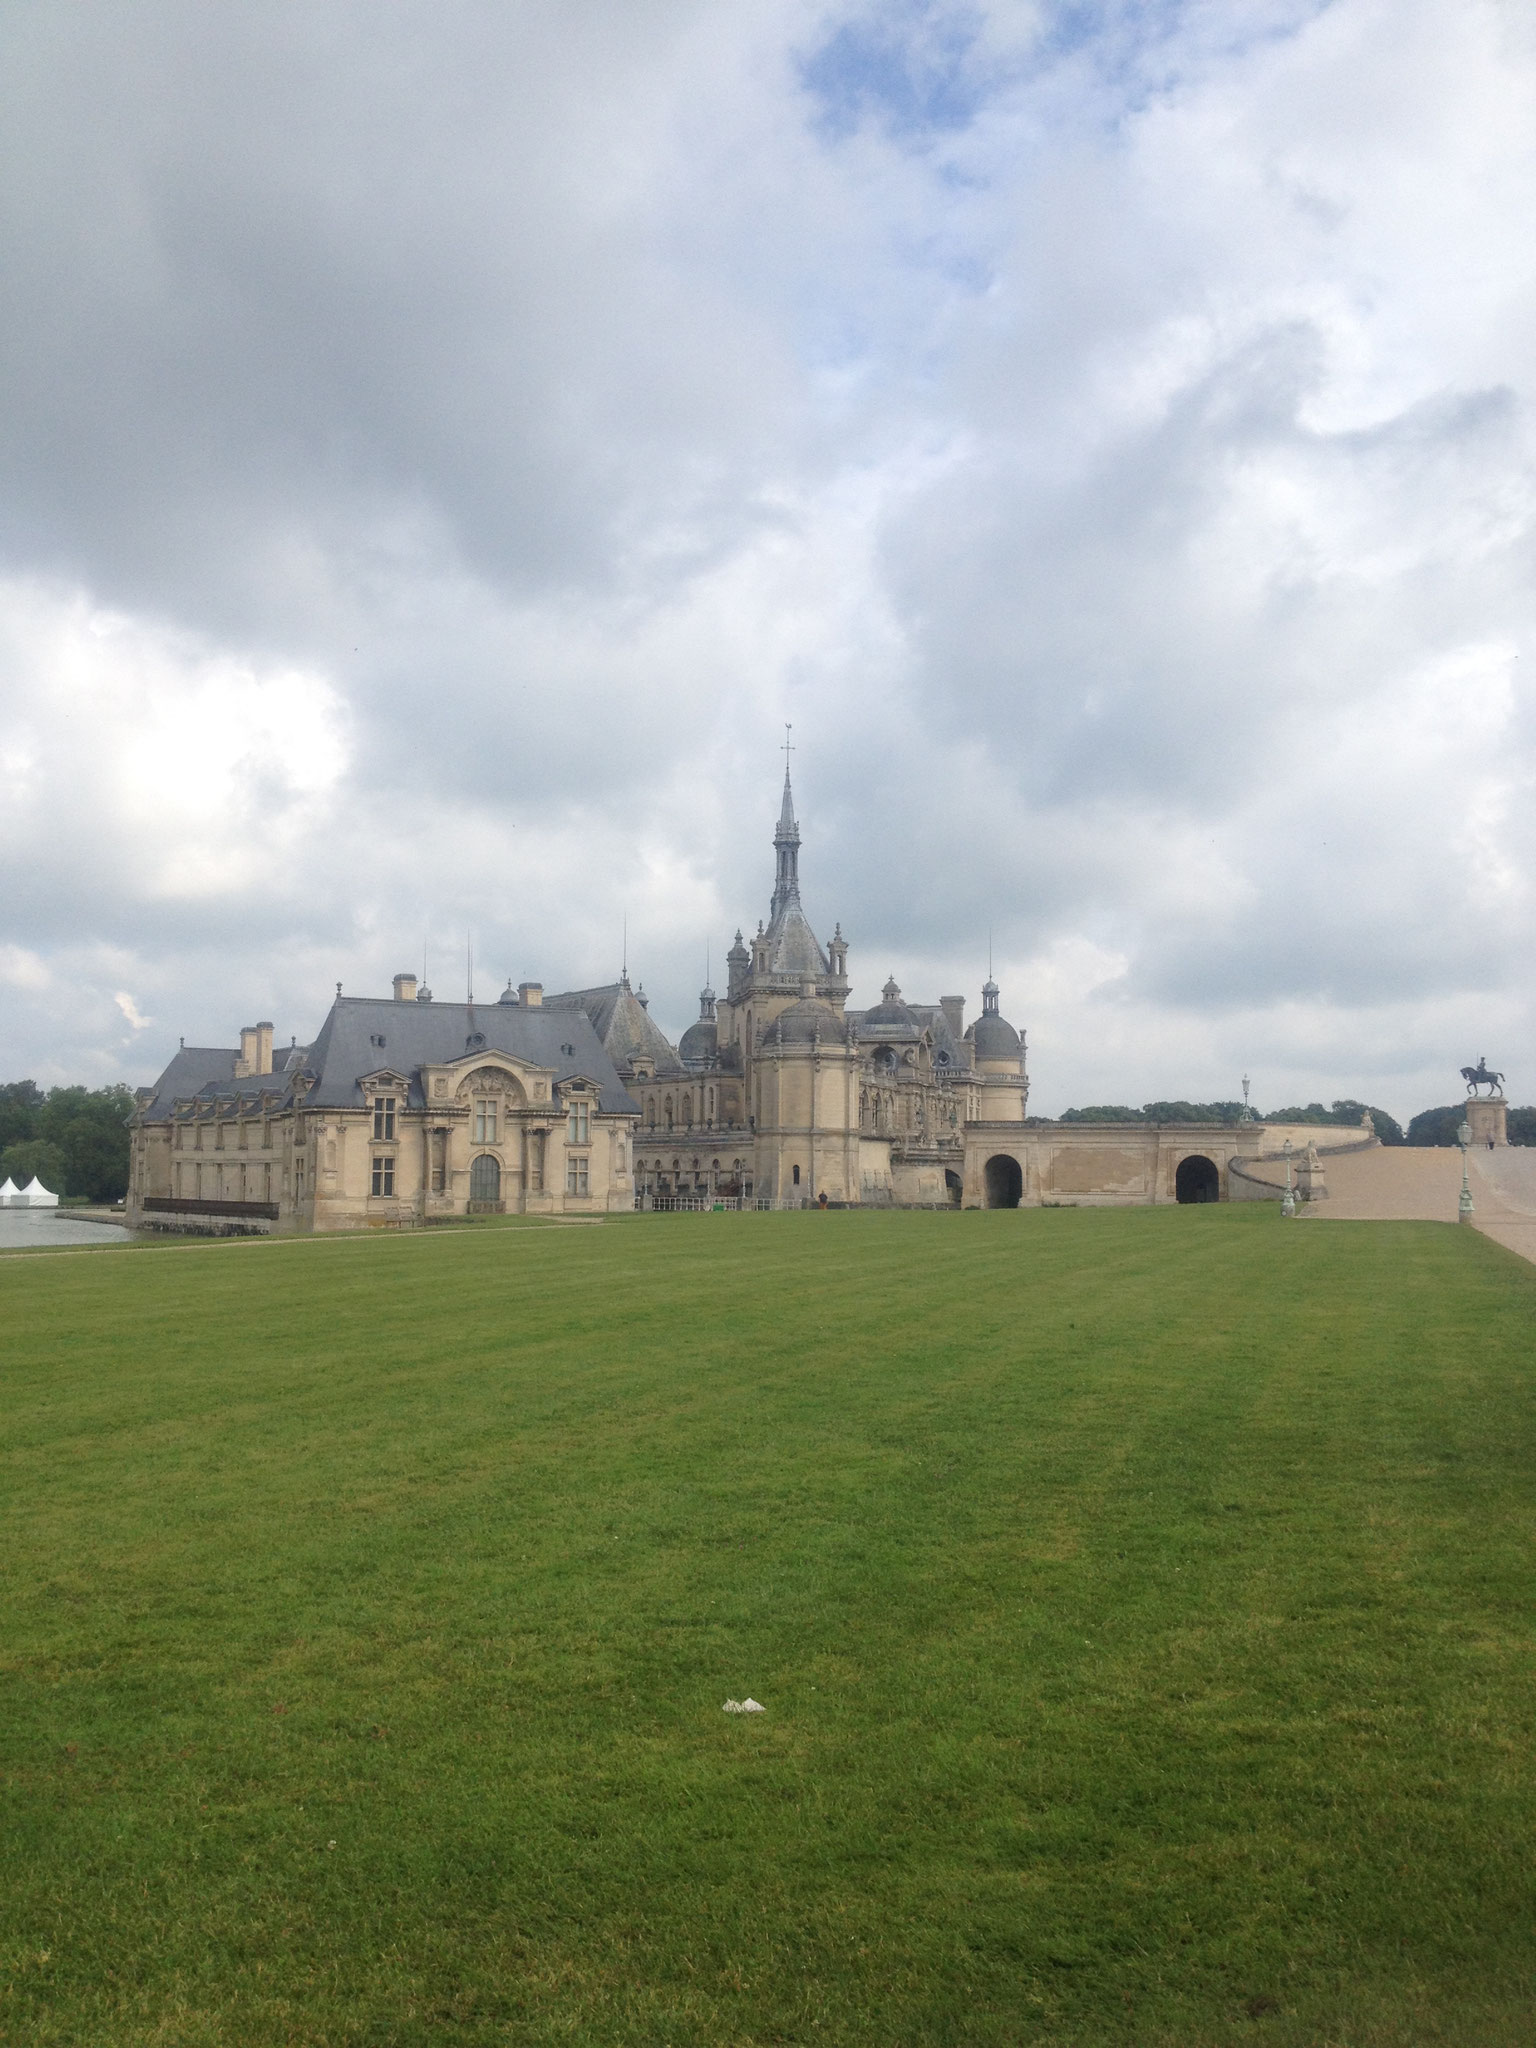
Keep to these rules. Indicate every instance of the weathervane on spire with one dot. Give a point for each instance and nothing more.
(787, 749)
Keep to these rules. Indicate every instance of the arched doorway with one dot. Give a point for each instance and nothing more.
(1197, 1179)
(485, 1179)
(953, 1187)
(1005, 1182)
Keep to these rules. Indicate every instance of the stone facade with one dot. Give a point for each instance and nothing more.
(405, 1110)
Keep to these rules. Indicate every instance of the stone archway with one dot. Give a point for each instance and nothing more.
(953, 1187)
(1197, 1179)
(485, 1179)
(1005, 1182)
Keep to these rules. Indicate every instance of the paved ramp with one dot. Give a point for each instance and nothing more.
(1391, 1183)
(1397, 1183)
(1504, 1196)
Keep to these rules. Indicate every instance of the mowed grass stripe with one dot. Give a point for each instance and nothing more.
(1141, 1602)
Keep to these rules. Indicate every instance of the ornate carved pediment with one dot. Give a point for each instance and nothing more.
(488, 1077)
(384, 1077)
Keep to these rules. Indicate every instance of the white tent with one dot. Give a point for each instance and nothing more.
(35, 1196)
(10, 1194)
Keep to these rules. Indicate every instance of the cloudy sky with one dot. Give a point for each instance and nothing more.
(441, 444)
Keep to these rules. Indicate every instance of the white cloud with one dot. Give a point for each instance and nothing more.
(1107, 439)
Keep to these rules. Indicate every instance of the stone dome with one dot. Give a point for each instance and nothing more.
(700, 1043)
(803, 1021)
(992, 1037)
(890, 1018)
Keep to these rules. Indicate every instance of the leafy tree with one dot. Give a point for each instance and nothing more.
(1388, 1129)
(35, 1158)
(90, 1126)
(84, 1131)
(1102, 1113)
(1346, 1112)
(1437, 1126)
(1193, 1112)
(1314, 1113)
(20, 1102)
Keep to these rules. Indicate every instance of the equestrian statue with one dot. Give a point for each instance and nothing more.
(1476, 1076)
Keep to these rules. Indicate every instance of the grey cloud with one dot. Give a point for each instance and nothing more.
(1098, 486)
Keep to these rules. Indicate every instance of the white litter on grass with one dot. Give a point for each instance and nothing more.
(743, 1707)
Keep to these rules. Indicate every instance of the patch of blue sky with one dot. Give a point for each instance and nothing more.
(907, 64)
(924, 69)
(1142, 48)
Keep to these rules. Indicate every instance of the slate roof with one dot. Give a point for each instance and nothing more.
(934, 1021)
(209, 1070)
(793, 948)
(413, 1035)
(624, 1027)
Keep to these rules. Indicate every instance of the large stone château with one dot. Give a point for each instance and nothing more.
(405, 1110)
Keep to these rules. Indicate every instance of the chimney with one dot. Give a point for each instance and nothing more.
(263, 1049)
(954, 1013)
(530, 994)
(246, 1061)
(405, 988)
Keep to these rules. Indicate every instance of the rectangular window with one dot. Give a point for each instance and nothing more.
(578, 1125)
(485, 1120)
(218, 1138)
(244, 1139)
(383, 1173)
(383, 1118)
(576, 1175)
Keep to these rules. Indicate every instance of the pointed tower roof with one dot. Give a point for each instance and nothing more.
(794, 950)
(788, 829)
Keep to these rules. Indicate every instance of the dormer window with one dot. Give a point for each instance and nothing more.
(383, 1118)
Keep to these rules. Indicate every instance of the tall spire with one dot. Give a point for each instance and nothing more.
(786, 840)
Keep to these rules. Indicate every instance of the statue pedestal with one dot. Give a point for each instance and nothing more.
(1488, 1117)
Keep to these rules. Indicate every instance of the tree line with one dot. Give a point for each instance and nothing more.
(1429, 1127)
(74, 1140)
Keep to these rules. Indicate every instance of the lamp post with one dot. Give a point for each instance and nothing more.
(1464, 1139)
(1288, 1206)
(1247, 1112)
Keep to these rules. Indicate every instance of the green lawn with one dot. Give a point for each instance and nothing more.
(1142, 1603)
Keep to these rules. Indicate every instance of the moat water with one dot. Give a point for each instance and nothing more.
(36, 1229)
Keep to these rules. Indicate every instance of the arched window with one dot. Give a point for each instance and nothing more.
(485, 1179)
(650, 1113)
(687, 1111)
(667, 1111)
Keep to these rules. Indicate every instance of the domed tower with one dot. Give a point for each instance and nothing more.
(805, 1087)
(997, 1061)
(698, 1048)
